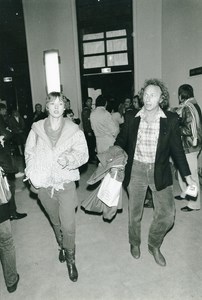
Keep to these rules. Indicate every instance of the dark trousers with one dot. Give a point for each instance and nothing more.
(91, 142)
(142, 176)
(12, 204)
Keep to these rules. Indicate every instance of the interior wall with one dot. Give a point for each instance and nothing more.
(51, 24)
(181, 45)
(147, 36)
(167, 44)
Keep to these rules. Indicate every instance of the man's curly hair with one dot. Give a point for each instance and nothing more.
(164, 91)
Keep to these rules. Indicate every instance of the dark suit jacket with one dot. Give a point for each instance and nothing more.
(169, 144)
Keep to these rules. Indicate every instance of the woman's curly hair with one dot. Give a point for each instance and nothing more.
(164, 92)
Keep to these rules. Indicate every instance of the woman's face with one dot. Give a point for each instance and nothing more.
(56, 107)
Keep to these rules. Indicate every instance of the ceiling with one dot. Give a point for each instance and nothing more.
(99, 13)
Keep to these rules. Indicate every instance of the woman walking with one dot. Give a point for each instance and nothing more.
(54, 151)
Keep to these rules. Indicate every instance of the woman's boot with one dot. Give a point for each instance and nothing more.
(70, 260)
(61, 256)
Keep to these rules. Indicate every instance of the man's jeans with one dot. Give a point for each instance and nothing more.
(7, 254)
(142, 176)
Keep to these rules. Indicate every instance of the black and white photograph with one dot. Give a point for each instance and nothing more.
(100, 149)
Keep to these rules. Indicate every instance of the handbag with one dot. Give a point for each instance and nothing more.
(110, 189)
(5, 193)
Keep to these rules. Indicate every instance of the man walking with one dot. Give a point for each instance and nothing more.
(150, 138)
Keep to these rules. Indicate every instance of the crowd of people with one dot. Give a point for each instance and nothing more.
(153, 136)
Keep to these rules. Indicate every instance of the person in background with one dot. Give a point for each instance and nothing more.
(117, 116)
(68, 112)
(17, 126)
(149, 139)
(136, 102)
(89, 134)
(127, 105)
(103, 125)
(38, 113)
(7, 162)
(191, 133)
(7, 250)
(54, 151)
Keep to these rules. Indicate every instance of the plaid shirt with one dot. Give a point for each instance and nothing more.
(147, 137)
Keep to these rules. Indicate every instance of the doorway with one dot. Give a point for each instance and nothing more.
(106, 48)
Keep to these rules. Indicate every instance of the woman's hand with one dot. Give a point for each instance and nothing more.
(62, 161)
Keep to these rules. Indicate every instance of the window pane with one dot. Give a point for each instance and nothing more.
(94, 47)
(94, 62)
(116, 45)
(93, 36)
(115, 33)
(117, 59)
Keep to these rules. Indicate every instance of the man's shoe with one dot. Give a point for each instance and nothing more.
(188, 209)
(179, 198)
(158, 256)
(135, 251)
(13, 287)
(17, 216)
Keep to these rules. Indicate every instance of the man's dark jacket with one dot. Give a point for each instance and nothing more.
(169, 145)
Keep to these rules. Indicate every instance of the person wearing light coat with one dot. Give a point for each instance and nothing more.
(55, 149)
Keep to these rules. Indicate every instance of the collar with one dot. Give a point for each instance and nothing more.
(190, 100)
(142, 114)
(101, 107)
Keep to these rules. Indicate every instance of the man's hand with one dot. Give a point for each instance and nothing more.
(2, 140)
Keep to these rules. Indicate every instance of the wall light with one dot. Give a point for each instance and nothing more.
(52, 71)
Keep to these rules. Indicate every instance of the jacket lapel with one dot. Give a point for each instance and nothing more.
(135, 128)
(163, 131)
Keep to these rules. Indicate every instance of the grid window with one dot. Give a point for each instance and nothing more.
(111, 44)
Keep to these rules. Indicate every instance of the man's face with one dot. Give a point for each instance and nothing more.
(3, 111)
(180, 99)
(152, 97)
(38, 108)
(127, 103)
(136, 103)
(89, 103)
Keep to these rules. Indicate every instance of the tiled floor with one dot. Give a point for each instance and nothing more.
(107, 271)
